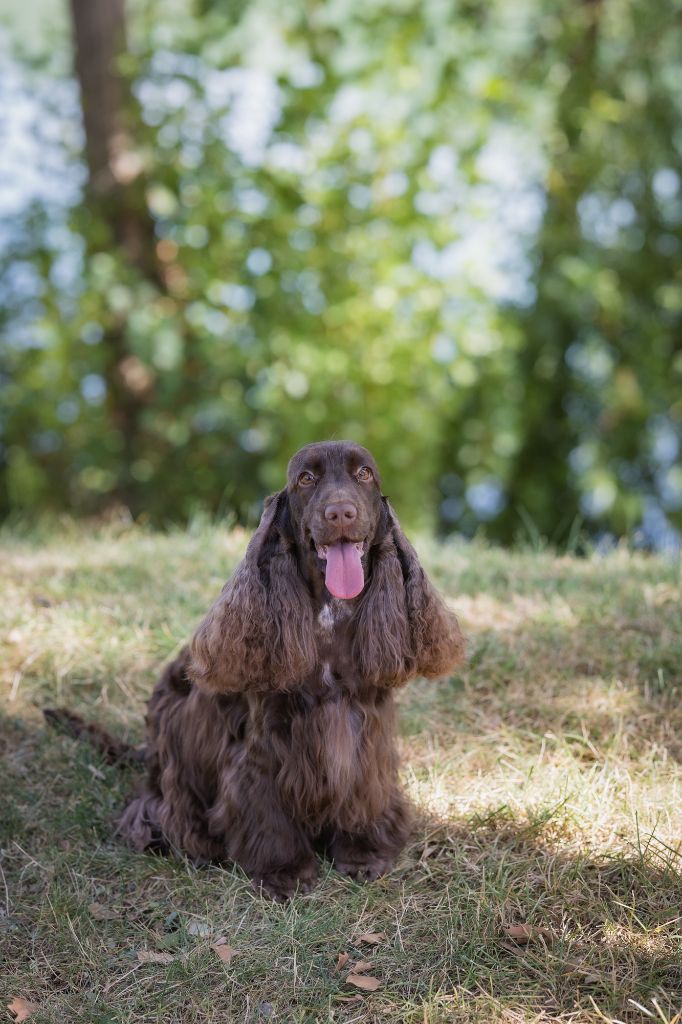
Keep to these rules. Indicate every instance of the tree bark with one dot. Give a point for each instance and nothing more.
(116, 199)
(99, 30)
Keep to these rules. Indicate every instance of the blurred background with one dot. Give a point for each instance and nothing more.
(448, 230)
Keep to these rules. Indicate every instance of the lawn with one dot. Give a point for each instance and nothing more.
(542, 881)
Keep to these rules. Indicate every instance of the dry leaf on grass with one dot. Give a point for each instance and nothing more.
(224, 951)
(519, 932)
(102, 913)
(373, 938)
(22, 1009)
(199, 928)
(149, 956)
(342, 961)
(364, 981)
(361, 967)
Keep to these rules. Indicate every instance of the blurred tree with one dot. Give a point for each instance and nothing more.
(120, 222)
(447, 231)
(587, 408)
(540, 486)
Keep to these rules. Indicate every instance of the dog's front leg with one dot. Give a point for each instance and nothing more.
(366, 853)
(272, 849)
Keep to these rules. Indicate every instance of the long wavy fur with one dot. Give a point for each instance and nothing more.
(259, 750)
(403, 627)
(259, 633)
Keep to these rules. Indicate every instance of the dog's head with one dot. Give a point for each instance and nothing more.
(329, 531)
(334, 499)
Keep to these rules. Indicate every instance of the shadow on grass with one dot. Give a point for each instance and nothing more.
(605, 688)
(485, 918)
(544, 926)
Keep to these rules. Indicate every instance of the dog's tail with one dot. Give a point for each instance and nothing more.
(112, 750)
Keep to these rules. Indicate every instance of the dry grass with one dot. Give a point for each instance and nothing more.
(548, 777)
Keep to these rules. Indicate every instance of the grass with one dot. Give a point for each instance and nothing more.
(547, 776)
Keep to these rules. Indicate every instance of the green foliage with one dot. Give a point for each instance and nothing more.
(314, 274)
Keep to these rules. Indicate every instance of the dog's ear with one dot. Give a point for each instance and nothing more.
(437, 640)
(259, 633)
(403, 627)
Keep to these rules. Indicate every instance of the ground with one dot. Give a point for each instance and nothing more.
(542, 882)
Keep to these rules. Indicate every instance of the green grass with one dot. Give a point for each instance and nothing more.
(547, 776)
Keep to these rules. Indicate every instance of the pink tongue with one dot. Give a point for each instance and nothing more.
(344, 576)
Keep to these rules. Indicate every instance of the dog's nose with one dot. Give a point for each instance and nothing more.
(341, 513)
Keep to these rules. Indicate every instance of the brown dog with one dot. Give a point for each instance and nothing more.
(273, 735)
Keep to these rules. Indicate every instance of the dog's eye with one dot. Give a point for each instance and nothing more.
(306, 479)
(364, 475)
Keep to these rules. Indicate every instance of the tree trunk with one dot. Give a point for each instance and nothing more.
(100, 39)
(116, 201)
(551, 326)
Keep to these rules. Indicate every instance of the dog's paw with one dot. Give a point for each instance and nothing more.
(286, 882)
(363, 867)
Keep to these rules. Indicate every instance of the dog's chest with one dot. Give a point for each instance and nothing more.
(326, 732)
(334, 613)
(333, 632)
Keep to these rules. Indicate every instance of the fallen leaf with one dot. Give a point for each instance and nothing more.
(342, 961)
(347, 999)
(364, 981)
(524, 933)
(362, 966)
(519, 932)
(149, 956)
(102, 913)
(224, 951)
(22, 1009)
(373, 938)
(200, 928)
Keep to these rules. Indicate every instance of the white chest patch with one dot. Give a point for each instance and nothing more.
(326, 618)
